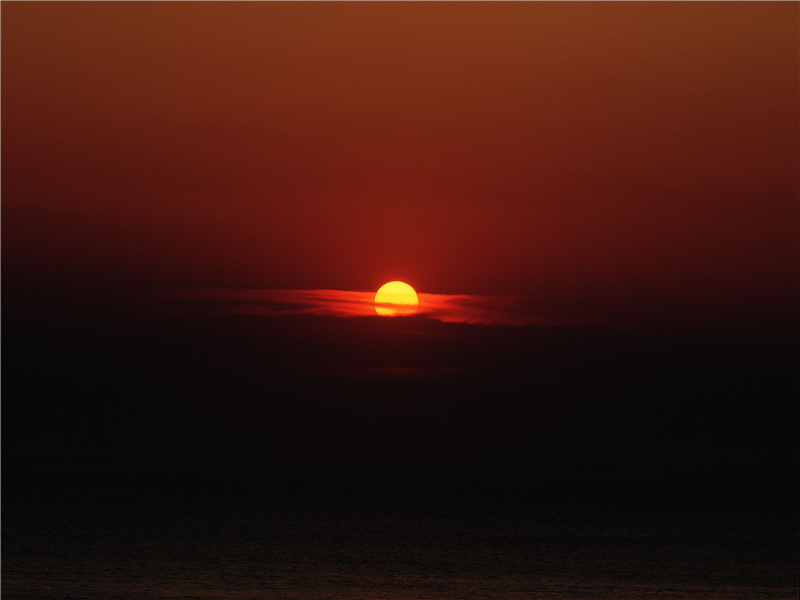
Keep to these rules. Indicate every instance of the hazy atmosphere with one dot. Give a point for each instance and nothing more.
(625, 157)
(584, 384)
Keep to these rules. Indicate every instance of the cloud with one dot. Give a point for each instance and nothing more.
(468, 309)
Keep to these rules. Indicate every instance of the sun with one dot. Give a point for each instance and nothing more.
(396, 298)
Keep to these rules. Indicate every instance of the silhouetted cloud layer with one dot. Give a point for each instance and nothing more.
(461, 308)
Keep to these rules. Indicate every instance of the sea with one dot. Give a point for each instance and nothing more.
(137, 526)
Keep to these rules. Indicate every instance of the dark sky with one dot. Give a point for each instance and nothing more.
(614, 157)
(597, 203)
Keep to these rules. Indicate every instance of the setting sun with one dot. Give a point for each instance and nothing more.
(396, 298)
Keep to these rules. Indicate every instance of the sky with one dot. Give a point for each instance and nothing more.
(603, 158)
(596, 203)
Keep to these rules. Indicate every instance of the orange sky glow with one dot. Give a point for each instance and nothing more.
(597, 205)
(611, 157)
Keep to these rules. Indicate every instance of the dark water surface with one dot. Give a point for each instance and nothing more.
(131, 469)
(127, 526)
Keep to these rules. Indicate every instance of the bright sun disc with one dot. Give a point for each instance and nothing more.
(396, 298)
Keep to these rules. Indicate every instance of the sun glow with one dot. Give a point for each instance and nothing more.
(396, 298)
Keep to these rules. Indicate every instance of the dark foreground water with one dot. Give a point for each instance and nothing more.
(187, 527)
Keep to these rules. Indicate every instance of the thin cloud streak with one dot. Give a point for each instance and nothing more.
(483, 310)
(461, 308)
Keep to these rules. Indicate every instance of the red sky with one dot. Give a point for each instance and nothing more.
(627, 156)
